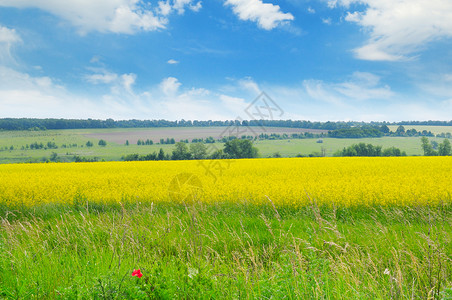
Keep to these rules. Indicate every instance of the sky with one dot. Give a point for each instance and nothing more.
(318, 60)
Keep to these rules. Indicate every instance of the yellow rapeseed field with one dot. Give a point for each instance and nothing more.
(291, 181)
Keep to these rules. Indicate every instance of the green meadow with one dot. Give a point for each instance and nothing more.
(75, 143)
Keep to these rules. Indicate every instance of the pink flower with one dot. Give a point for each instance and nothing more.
(137, 273)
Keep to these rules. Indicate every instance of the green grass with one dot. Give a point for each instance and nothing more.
(114, 151)
(412, 145)
(220, 251)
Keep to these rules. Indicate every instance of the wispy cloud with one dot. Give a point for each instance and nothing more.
(359, 86)
(8, 38)
(100, 76)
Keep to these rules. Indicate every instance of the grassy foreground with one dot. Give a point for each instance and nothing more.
(240, 251)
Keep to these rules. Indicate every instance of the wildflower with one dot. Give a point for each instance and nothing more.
(137, 273)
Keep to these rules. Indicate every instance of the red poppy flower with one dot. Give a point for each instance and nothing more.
(137, 273)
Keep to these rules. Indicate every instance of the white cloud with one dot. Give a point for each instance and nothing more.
(8, 37)
(116, 16)
(172, 62)
(170, 86)
(234, 104)
(332, 3)
(311, 10)
(318, 100)
(179, 5)
(359, 87)
(364, 86)
(12, 79)
(165, 7)
(118, 83)
(268, 16)
(327, 21)
(128, 80)
(320, 91)
(197, 7)
(250, 85)
(24, 95)
(104, 77)
(436, 85)
(399, 28)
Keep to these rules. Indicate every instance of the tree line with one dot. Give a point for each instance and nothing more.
(363, 149)
(379, 131)
(435, 149)
(234, 149)
(51, 123)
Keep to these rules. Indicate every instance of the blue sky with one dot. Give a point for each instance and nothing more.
(363, 60)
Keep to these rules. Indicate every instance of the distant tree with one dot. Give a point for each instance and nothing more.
(89, 144)
(181, 152)
(102, 143)
(54, 157)
(210, 140)
(427, 147)
(393, 151)
(315, 154)
(354, 132)
(362, 149)
(434, 145)
(218, 154)
(127, 143)
(161, 155)
(349, 151)
(445, 148)
(131, 157)
(51, 145)
(198, 151)
(276, 155)
(150, 156)
(400, 130)
(385, 129)
(240, 149)
(412, 132)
